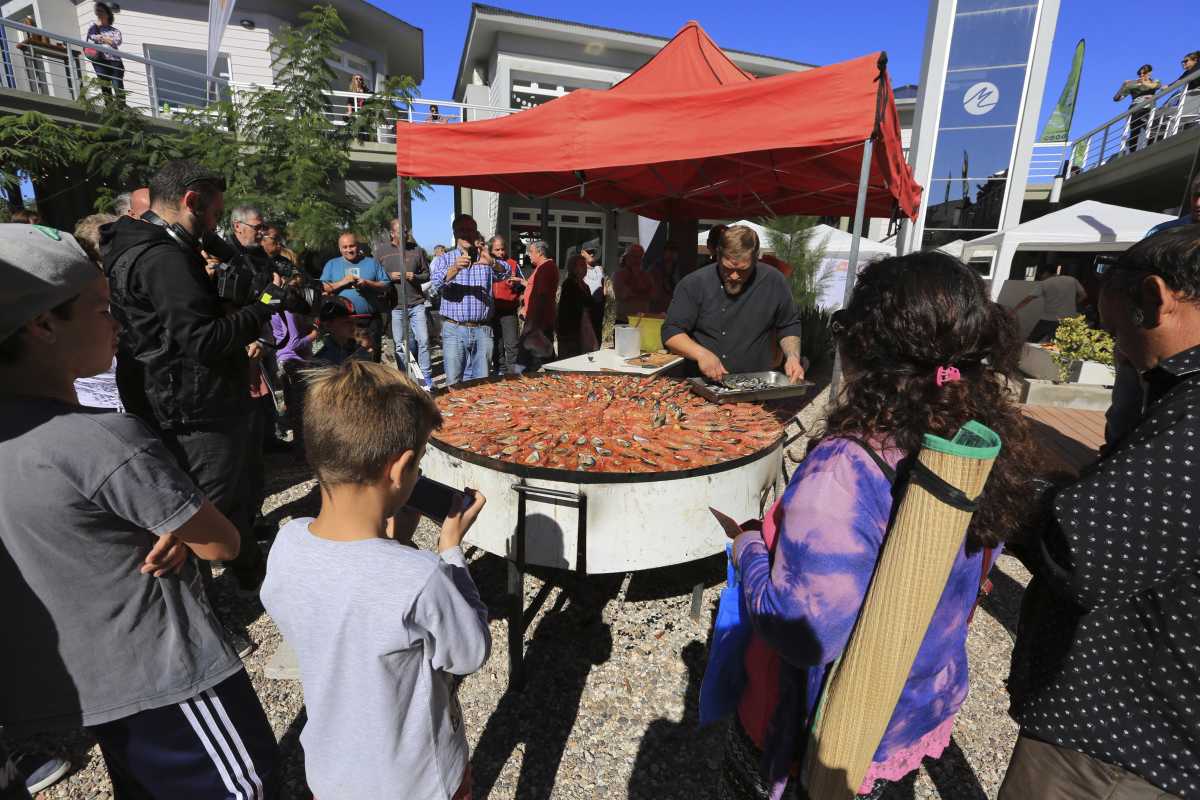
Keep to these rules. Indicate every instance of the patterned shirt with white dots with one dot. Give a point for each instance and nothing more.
(1107, 661)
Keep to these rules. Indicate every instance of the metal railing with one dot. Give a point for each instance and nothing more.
(51, 65)
(1174, 109)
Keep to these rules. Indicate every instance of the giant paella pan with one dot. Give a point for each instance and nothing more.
(648, 454)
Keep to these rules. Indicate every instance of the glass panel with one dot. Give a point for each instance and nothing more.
(572, 240)
(989, 40)
(987, 5)
(979, 152)
(973, 206)
(982, 97)
(180, 89)
(523, 236)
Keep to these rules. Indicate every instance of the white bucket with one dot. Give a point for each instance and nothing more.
(629, 341)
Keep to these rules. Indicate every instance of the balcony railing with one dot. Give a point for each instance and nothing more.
(52, 65)
(1175, 108)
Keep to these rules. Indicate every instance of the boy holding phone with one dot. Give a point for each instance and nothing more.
(379, 628)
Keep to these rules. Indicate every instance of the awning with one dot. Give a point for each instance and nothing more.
(688, 135)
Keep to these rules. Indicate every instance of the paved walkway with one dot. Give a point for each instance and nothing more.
(1069, 438)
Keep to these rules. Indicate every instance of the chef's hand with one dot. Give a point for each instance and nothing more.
(794, 369)
(711, 366)
(168, 555)
(460, 520)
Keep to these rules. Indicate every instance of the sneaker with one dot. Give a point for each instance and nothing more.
(41, 772)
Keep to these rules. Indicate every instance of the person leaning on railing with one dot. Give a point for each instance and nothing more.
(1190, 111)
(1142, 91)
(110, 69)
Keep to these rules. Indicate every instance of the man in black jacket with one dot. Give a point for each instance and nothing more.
(182, 363)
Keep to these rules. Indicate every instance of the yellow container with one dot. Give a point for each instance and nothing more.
(650, 326)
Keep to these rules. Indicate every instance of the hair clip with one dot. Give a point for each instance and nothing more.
(947, 375)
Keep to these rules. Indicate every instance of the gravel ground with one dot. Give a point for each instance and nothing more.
(611, 703)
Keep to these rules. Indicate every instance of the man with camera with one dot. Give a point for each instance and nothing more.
(182, 363)
(464, 276)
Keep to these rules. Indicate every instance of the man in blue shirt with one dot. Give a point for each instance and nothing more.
(465, 283)
(352, 273)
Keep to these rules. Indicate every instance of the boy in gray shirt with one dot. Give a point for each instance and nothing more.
(107, 621)
(380, 629)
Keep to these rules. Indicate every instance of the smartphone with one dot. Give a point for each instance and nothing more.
(473, 254)
(434, 499)
(355, 272)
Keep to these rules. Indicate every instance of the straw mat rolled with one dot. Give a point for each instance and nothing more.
(917, 556)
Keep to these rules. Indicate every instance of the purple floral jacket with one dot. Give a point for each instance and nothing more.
(804, 592)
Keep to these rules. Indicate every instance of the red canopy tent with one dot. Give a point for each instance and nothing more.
(689, 135)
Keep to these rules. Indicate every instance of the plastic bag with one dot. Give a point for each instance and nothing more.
(725, 676)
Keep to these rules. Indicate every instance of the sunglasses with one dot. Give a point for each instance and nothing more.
(260, 226)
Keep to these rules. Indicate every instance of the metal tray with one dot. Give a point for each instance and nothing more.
(776, 387)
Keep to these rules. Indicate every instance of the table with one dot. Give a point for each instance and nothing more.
(607, 360)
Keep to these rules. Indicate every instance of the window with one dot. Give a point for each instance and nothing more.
(177, 88)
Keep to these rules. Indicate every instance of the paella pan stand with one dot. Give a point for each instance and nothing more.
(518, 620)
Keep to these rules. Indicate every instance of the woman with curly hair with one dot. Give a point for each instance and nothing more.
(925, 350)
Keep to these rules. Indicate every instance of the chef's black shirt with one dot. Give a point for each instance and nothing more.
(738, 329)
(1107, 660)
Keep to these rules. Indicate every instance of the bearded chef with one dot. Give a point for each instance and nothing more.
(733, 316)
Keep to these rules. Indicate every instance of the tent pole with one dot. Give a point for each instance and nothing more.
(403, 352)
(860, 208)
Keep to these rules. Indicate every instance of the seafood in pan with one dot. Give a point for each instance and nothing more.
(601, 423)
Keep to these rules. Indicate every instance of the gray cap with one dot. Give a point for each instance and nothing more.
(40, 268)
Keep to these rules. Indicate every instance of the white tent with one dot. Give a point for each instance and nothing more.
(1087, 227)
(764, 240)
(836, 245)
(837, 261)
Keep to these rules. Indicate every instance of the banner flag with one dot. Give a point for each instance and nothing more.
(1058, 127)
(219, 12)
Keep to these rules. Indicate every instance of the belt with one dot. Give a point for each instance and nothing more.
(484, 324)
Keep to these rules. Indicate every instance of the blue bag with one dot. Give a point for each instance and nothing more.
(725, 676)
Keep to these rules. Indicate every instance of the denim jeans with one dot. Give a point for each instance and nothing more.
(418, 338)
(508, 328)
(466, 351)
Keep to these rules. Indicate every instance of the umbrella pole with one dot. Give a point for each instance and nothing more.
(403, 352)
(860, 208)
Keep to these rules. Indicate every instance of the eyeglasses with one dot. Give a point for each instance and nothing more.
(259, 227)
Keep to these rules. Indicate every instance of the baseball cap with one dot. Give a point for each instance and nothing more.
(40, 268)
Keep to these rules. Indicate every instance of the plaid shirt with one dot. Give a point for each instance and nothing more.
(468, 297)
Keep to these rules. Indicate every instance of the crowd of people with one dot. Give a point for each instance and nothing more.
(111, 516)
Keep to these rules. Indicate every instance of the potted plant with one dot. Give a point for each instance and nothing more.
(1077, 346)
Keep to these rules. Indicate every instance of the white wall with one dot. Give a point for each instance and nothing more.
(185, 25)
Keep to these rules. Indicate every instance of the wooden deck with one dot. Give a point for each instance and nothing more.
(1069, 438)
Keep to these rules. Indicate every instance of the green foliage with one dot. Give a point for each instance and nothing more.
(33, 144)
(283, 149)
(792, 241)
(816, 338)
(1077, 341)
